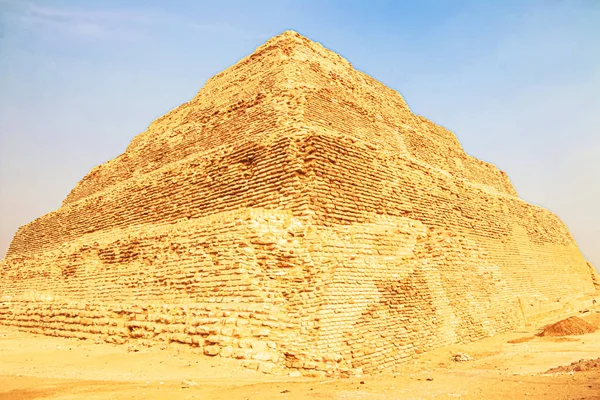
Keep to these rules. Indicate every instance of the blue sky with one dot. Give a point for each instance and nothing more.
(517, 81)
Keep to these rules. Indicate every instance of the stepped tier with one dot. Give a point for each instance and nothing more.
(294, 214)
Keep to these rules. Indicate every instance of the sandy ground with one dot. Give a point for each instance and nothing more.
(40, 367)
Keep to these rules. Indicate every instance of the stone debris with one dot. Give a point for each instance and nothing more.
(187, 383)
(294, 215)
(133, 348)
(461, 357)
(577, 366)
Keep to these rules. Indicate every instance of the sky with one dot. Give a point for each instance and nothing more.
(518, 82)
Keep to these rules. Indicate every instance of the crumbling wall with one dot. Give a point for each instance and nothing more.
(243, 103)
(531, 245)
(248, 175)
(201, 282)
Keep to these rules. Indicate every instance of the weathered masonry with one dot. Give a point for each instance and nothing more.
(294, 214)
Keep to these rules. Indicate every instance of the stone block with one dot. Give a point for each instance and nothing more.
(212, 350)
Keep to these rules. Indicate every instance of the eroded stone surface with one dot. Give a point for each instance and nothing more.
(294, 214)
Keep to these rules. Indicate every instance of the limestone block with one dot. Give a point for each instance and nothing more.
(226, 351)
(212, 350)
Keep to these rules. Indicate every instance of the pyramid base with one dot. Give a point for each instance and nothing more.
(272, 290)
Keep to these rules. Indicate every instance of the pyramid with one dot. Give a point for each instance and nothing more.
(294, 215)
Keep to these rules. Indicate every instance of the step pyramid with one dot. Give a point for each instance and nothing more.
(294, 214)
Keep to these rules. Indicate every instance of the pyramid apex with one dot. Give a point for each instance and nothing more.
(289, 32)
(292, 40)
(289, 36)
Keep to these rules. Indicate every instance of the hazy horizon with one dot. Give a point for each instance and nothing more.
(517, 83)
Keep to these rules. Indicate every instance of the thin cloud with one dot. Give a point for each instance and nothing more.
(100, 24)
(114, 24)
(78, 28)
(73, 15)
